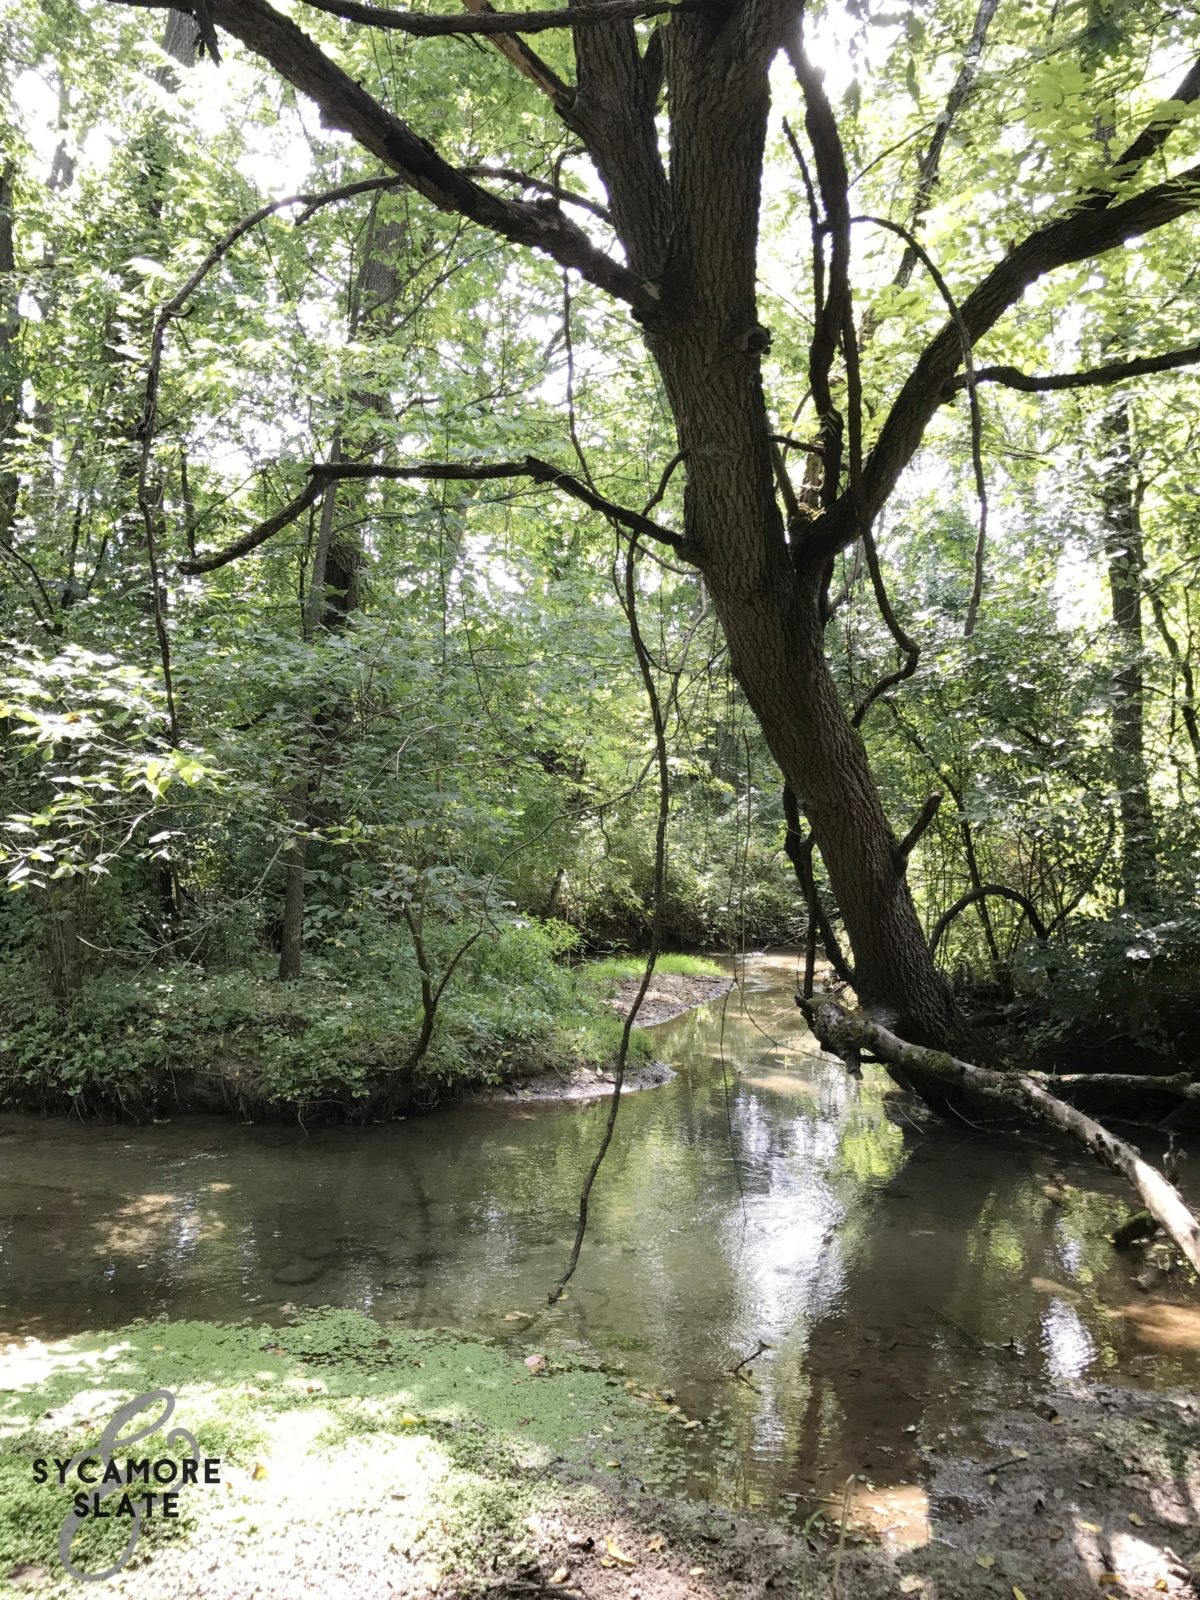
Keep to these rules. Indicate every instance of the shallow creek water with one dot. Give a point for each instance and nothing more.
(911, 1277)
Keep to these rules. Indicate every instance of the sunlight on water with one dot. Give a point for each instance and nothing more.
(907, 1277)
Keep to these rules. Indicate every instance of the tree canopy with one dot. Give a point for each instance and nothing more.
(367, 374)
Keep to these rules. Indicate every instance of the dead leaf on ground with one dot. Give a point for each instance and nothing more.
(618, 1554)
(656, 1541)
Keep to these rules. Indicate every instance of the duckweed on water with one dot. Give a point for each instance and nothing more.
(327, 1417)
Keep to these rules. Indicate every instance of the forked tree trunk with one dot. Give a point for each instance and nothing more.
(689, 235)
(769, 603)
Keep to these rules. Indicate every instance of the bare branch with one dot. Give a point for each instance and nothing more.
(542, 185)
(531, 467)
(912, 838)
(921, 254)
(645, 667)
(1152, 138)
(259, 534)
(798, 847)
(1110, 372)
(526, 60)
(487, 21)
(999, 891)
(1077, 236)
(831, 308)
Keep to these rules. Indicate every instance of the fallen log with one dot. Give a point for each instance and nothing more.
(1181, 1084)
(841, 1032)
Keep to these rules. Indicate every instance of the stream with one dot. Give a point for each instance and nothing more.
(911, 1277)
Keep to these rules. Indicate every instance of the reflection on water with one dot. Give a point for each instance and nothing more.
(909, 1277)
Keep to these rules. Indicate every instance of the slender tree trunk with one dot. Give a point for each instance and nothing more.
(302, 794)
(291, 926)
(333, 591)
(1124, 550)
(10, 380)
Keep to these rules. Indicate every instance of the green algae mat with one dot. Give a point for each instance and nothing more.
(281, 1435)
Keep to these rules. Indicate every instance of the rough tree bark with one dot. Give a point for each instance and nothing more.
(688, 231)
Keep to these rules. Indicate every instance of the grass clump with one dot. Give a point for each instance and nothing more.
(613, 968)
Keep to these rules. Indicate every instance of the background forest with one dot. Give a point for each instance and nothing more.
(347, 810)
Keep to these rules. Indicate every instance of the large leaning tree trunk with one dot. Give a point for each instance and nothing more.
(688, 231)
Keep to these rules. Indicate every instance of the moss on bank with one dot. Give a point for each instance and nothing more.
(355, 1459)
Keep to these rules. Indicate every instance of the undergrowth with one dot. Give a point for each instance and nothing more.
(340, 1043)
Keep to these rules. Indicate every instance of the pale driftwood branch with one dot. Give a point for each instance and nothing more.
(1181, 1084)
(839, 1030)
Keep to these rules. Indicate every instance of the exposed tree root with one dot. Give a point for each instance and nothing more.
(843, 1032)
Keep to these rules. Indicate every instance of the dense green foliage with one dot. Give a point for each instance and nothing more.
(404, 743)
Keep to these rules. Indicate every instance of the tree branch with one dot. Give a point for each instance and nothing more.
(929, 166)
(1076, 237)
(346, 105)
(1152, 138)
(645, 667)
(531, 467)
(999, 891)
(1181, 1084)
(839, 1031)
(526, 60)
(799, 847)
(832, 308)
(1109, 372)
(542, 185)
(921, 254)
(924, 818)
(613, 112)
(488, 21)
